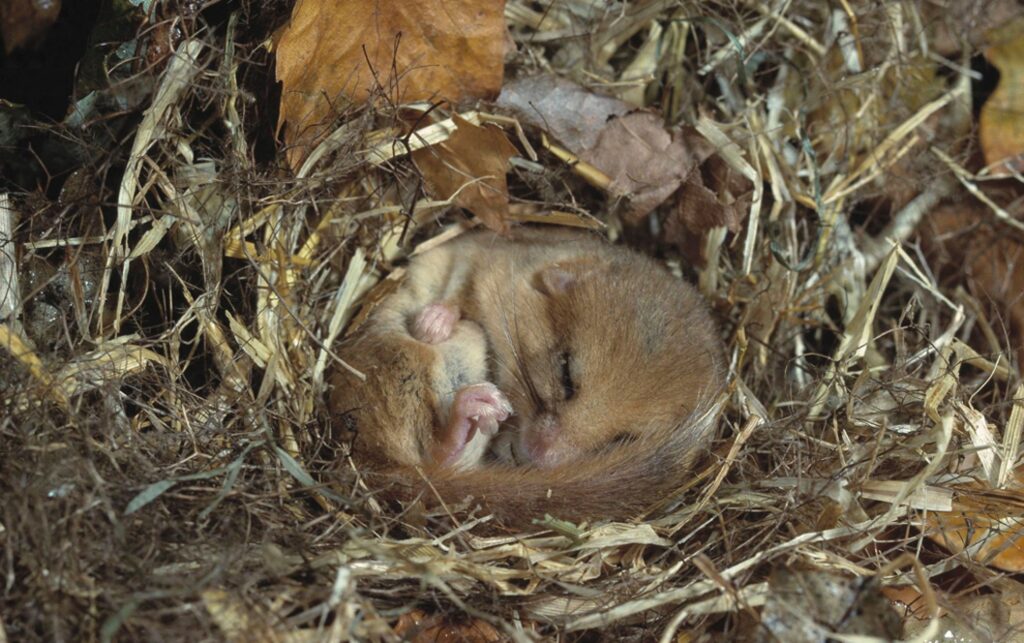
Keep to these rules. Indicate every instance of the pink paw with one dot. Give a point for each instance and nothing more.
(480, 407)
(435, 322)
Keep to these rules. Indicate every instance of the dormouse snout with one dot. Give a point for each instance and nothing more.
(542, 441)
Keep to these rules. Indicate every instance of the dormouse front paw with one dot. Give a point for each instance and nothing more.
(435, 323)
(482, 406)
(476, 408)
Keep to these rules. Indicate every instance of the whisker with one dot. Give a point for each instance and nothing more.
(521, 373)
(524, 378)
(515, 375)
(505, 368)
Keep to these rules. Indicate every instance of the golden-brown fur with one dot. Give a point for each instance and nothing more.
(610, 363)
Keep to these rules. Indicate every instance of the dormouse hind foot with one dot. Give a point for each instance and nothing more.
(434, 324)
(476, 408)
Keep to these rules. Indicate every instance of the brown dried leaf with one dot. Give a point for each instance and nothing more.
(438, 50)
(645, 161)
(713, 196)
(473, 155)
(571, 114)
(419, 627)
(24, 22)
(1001, 127)
(988, 519)
(990, 260)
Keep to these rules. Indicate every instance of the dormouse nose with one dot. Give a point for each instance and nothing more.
(547, 428)
(540, 441)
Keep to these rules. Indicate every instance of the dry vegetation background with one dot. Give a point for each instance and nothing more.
(182, 238)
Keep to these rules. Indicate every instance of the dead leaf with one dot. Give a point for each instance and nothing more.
(645, 161)
(1001, 127)
(701, 208)
(332, 52)
(1000, 538)
(419, 627)
(808, 605)
(571, 114)
(471, 166)
(24, 22)
(714, 195)
(987, 520)
(963, 246)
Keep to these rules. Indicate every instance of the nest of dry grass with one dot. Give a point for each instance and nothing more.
(165, 459)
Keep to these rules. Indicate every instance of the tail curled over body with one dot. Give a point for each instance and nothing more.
(622, 484)
(609, 366)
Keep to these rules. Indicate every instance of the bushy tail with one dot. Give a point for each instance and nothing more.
(618, 485)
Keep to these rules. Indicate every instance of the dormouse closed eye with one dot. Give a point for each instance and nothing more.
(624, 438)
(565, 369)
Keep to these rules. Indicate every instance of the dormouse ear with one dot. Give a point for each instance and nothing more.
(559, 278)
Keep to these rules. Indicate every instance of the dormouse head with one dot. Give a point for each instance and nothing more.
(604, 353)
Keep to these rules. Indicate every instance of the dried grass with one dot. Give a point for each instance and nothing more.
(167, 467)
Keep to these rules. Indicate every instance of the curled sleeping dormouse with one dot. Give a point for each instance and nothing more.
(544, 373)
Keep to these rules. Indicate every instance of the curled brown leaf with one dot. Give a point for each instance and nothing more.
(471, 167)
(332, 53)
(569, 113)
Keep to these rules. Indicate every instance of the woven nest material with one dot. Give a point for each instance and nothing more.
(167, 469)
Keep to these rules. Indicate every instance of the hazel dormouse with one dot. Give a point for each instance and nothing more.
(547, 372)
